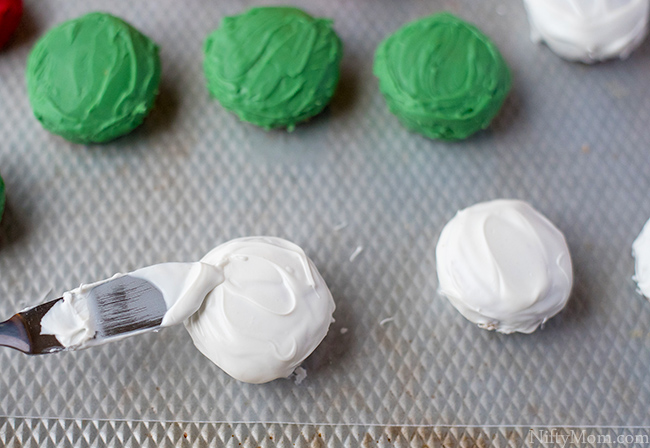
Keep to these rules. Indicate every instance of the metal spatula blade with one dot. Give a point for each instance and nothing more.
(125, 305)
(118, 308)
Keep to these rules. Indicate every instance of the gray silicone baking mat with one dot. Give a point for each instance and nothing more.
(573, 140)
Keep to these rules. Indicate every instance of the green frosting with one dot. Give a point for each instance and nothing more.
(273, 66)
(93, 79)
(442, 77)
(2, 196)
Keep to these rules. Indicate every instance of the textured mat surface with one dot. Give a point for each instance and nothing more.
(573, 140)
(83, 433)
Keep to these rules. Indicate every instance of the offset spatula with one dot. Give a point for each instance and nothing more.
(118, 307)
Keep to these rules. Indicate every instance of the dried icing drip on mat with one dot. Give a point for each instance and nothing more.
(256, 307)
(273, 67)
(442, 77)
(93, 79)
(504, 266)
(641, 254)
(589, 30)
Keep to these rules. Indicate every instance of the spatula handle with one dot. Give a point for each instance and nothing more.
(14, 334)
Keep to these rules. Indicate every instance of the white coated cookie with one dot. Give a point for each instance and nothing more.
(504, 266)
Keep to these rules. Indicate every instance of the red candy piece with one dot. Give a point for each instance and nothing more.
(10, 13)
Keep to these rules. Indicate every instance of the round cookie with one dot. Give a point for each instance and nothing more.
(504, 266)
(93, 79)
(270, 313)
(589, 30)
(442, 77)
(273, 66)
(11, 11)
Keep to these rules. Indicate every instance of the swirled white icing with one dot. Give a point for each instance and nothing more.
(641, 254)
(256, 307)
(504, 266)
(271, 312)
(589, 30)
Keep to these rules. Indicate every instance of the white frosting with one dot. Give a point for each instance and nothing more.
(641, 254)
(271, 312)
(504, 266)
(69, 319)
(183, 286)
(589, 30)
(267, 307)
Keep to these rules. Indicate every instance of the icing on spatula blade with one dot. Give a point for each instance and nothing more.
(112, 309)
(146, 299)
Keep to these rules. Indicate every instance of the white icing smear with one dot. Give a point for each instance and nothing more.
(270, 313)
(589, 30)
(69, 320)
(183, 285)
(256, 307)
(641, 254)
(504, 266)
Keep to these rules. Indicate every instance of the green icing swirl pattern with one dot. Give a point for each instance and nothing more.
(273, 66)
(442, 77)
(93, 79)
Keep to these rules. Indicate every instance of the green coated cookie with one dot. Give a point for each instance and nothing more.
(442, 77)
(93, 79)
(273, 66)
(2, 196)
